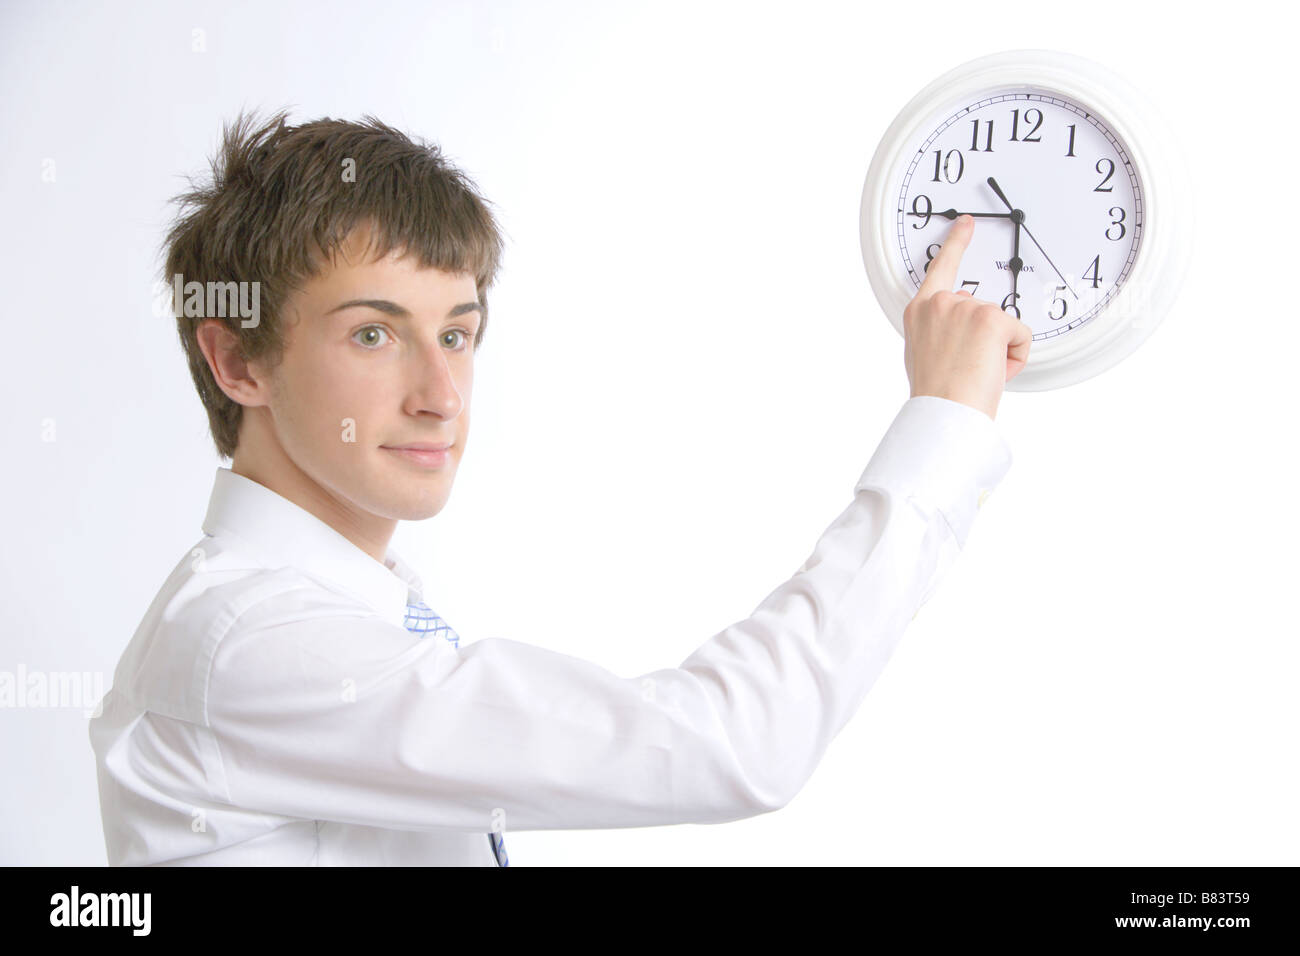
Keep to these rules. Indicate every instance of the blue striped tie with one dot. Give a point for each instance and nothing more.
(421, 620)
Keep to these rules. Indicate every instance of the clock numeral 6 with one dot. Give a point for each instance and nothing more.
(1061, 299)
(947, 161)
(1009, 303)
(1116, 222)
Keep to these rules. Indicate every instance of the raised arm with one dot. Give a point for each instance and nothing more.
(347, 718)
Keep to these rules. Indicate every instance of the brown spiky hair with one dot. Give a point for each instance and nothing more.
(279, 206)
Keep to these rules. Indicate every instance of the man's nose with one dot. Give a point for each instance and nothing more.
(432, 385)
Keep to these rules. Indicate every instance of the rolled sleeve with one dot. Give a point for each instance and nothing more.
(947, 455)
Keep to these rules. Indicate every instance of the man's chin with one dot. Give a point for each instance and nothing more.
(419, 512)
(414, 506)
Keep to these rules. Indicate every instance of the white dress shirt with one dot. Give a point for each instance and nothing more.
(272, 709)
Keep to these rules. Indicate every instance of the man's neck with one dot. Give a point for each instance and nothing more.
(266, 463)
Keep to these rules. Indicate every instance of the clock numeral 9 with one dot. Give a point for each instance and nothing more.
(1116, 222)
(919, 212)
(1105, 179)
(961, 165)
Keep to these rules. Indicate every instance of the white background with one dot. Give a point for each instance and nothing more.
(684, 374)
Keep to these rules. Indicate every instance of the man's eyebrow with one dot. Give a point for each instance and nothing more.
(392, 308)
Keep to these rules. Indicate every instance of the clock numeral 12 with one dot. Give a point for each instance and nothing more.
(1015, 126)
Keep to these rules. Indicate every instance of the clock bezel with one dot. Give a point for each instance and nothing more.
(1154, 279)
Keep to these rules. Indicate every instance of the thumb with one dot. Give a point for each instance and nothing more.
(1022, 337)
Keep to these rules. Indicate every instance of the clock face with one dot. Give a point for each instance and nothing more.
(1062, 174)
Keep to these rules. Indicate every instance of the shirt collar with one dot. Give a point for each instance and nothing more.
(282, 533)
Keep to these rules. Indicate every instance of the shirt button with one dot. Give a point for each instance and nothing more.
(984, 494)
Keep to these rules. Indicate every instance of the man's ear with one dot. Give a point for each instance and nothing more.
(241, 380)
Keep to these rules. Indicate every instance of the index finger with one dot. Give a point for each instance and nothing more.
(943, 268)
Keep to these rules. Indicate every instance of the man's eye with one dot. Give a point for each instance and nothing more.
(371, 335)
(461, 332)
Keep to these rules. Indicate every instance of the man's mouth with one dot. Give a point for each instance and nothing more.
(423, 454)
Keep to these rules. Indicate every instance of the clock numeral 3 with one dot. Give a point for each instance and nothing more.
(1116, 222)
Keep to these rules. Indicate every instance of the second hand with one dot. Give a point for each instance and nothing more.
(993, 182)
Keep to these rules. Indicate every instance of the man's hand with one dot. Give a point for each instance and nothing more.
(955, 345)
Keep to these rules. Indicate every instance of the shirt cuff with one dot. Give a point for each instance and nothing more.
(945, 454)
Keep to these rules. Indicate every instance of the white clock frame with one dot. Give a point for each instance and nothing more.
(1160, 263)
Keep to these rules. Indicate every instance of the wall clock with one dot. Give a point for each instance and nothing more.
(1081, 202)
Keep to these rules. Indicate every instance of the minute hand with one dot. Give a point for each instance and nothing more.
(994, 183)
(953, 214)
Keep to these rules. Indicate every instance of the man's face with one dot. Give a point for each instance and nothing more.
(358, 380)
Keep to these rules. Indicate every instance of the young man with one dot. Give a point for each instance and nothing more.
(288, 698)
